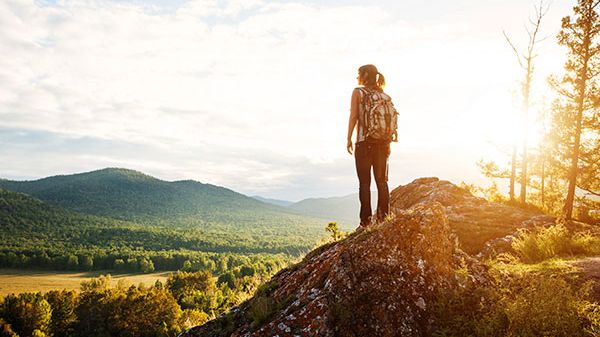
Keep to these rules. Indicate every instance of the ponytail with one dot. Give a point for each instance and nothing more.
(380, 81)
(373, 77)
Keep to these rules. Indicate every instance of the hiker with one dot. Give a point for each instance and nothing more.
(375, 118)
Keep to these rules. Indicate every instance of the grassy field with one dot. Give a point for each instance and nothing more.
(19, 281)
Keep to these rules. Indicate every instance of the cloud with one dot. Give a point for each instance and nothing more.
(253, 95)
(249, 172)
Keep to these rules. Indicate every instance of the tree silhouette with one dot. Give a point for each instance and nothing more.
(526, 62)
(575, 122)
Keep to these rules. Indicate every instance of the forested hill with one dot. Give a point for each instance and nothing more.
(28, 224)
(36, 234)
(104, 217)
(21, 213)
(131, 195)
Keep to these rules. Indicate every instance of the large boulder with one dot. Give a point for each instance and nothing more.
(475, 220)
(379, 282)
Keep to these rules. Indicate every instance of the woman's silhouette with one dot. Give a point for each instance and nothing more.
(369, 152)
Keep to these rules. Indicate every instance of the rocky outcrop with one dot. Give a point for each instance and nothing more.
(383, 281)
(481, 226)
(379, 282)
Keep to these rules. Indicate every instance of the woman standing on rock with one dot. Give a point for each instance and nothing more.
(375, 118)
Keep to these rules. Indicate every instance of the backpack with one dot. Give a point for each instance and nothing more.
(381, 118)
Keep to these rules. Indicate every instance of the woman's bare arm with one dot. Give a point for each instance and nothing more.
(353, 118)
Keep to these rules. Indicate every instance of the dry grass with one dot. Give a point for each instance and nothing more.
(19, 281)
(533, 246)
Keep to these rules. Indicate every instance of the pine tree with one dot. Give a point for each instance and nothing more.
(575, 122)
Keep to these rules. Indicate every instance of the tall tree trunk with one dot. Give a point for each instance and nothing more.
(513, 172)
(543, 180)
(573, 171)
(581, 95)
(524, 161)
(568, 209)
(526, 62)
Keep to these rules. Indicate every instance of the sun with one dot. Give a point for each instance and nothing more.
(494, 124)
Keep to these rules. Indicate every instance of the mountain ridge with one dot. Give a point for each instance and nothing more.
(66, 190)
(278, 202)
(135, 196)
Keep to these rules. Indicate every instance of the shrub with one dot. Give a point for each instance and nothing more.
(544, 243)
(191, 318)
(591, 315)
(519, 304)
(261, 309)
(542, 307)
(263, 305)
(334, 229)
(586, 244)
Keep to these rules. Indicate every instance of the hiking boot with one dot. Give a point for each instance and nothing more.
(362, 227)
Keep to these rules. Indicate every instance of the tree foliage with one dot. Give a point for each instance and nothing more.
(564, 169)
(575, 122)
(186, 299)
(35, 234)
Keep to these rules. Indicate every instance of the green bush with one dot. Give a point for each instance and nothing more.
(517, 304)
(586, 244)
(536, 245)
(543, 307)
(192, 317)
(591, 314)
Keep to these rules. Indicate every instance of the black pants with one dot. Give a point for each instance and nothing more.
(374, 155)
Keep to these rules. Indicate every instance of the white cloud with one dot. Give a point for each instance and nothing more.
(228, 78)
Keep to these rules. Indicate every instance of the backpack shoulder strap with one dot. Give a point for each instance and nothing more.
(362, 90)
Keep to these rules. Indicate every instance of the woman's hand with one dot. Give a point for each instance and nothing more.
(349, 146)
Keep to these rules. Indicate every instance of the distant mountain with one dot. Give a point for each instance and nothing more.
(283, 203)
(134, 196)
(344, 210)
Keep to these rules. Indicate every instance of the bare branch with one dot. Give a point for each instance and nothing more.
(540, 12)
(589, 191)
(543, 10)
(543, 39)
(513, 48)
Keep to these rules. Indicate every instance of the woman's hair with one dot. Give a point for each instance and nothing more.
(373, 78)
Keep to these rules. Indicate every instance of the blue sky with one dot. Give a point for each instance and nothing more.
(254, 95)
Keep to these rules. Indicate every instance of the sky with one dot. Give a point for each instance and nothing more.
(254, 95)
